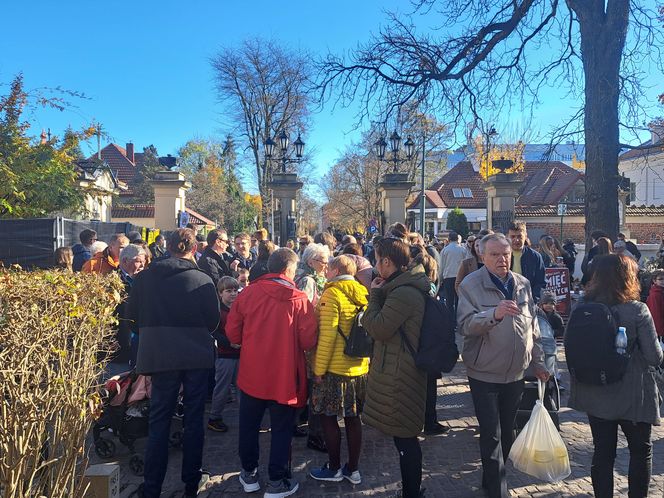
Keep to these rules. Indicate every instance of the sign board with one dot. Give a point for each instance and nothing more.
(183, 219)
(557, 282)
(562, 209)
(372, 229)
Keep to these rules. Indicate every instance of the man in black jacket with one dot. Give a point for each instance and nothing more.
(526, 261)
(176, 348)
(215, 260)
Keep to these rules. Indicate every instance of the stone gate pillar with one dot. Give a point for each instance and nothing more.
(502, 191)
(284, 188)
(169, 198)
(393, 190)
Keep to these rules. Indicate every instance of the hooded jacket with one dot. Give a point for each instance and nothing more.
(175, 324)
(81, 255)
(275, 324)
(497, 351)
(396, 388)
(655, 304)
(102, 263)
(340, 302)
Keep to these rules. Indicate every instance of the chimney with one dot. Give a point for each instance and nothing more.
(130, 151)
(656, 132)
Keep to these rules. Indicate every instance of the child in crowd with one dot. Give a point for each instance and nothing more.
(227, 355)
(242, 278)
(655, 302)
(551, 326)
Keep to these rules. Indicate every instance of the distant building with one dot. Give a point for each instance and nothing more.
(100, 184)
(645, 169)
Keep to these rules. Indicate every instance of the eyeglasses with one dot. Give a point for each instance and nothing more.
(224, 240)
(321, 261)
(304, 243)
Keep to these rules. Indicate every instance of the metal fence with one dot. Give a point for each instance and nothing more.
(31, 242)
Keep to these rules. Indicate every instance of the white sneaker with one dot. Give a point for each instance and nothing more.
(281, 489)
(249, 481)
(352, 477)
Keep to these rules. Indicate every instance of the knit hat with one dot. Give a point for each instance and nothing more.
(548, 297)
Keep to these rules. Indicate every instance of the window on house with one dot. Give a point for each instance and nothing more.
(474, 226)
(632, 191)
(457, 192)
(467, 192)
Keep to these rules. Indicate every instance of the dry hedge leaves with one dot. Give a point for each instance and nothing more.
(53, 325)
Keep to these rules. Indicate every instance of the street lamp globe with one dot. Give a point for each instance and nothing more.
(269, 147)
(283, 141)
(410, 147)
(380, 147)
(299, 146)
(395, 141)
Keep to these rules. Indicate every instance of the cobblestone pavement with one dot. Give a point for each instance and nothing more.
(451, 461)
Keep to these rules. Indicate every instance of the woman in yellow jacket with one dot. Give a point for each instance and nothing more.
(339, 380)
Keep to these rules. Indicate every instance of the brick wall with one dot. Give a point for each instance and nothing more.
(642, 232)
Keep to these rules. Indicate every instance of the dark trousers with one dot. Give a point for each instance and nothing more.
(410, 462)
(430, 416)
(165, 390)
(451, 298)
(605, 439)
(282, 418)
(495, 407)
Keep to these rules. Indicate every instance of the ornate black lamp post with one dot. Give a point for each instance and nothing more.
(283, 147)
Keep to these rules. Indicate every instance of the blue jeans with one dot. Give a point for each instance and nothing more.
(282, 418)
(165, 390)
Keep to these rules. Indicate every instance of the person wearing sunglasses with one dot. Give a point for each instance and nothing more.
(215, 260)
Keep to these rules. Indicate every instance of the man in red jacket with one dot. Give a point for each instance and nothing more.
(274, 323)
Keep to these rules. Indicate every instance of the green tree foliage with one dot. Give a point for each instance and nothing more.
(216, 191)
(457, 221)
(143, 190)
(35, 178)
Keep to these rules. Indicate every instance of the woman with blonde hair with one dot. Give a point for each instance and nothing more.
(339, 387)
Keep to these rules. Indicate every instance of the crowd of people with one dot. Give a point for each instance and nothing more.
(221, 315)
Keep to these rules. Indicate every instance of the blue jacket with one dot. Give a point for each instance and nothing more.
(81, 255)
(532, 267)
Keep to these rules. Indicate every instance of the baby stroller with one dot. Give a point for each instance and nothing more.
(552, 389)
(126, 410)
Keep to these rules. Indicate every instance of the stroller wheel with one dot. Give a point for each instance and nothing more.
(136, 465)
(175, 439)
(104, 448)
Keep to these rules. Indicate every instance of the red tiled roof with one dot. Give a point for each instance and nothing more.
(650, 149)
(147, 211)
(433, 200)
(123, 169)
(198, 219)
(133, 211)
(546, 182)
(578, 210)
(461, 176)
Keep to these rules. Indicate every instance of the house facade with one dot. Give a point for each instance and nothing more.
(645, 169)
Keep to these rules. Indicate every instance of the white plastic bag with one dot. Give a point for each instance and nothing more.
(539, 450)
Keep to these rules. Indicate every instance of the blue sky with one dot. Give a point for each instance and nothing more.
(144, 64)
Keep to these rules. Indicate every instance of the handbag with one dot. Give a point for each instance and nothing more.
(539, 450)
(358, 344)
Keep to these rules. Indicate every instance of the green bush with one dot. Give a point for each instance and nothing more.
(457, 221)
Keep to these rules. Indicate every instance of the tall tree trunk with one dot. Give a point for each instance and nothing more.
(602, 41)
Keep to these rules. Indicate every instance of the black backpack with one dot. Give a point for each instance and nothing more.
(359, 344)
(437, 351)
(590, 345)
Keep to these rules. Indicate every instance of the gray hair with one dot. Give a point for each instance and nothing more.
(497, 237)
(132, 251)
(315, 251)
(281, 259)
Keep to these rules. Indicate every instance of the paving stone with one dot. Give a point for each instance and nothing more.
(451, 466)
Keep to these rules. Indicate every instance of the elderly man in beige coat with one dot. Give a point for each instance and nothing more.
(498, 318)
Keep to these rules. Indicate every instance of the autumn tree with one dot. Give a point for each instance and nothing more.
(216, 191)
(497, 56)
(264, 89)
(35, 178)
